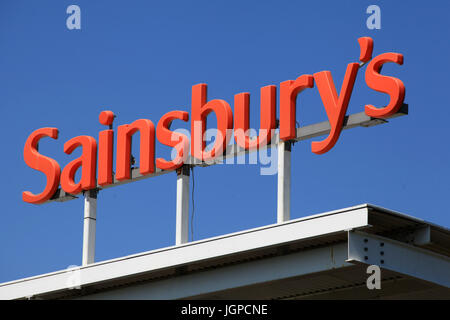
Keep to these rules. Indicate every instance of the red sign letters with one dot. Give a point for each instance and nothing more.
(335, 106)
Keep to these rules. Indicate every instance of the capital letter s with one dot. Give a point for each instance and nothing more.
(392, 86)
(41, 163)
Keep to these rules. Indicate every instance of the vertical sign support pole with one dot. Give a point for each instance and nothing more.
(182, 220)
(284, 181)
(90, 218)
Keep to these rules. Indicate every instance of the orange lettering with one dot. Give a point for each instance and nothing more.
(105, 149)
(44, 164)
(392, 86)
(172, 139)
(87, 161)
(335, 106)
(200, 109)
(268, 107)
(288, 96)
(147, 148)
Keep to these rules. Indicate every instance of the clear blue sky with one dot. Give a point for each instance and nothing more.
(141, 58)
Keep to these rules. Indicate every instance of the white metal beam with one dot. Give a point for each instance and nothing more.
(197, 251)
(399, 257)
(230, 277)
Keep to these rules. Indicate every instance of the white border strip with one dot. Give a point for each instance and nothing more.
(304, 228)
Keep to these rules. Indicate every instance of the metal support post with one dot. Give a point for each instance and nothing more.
(284, 181)
(90, 218)
(182, 220)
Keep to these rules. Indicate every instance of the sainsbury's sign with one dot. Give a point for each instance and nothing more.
(96, 161)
